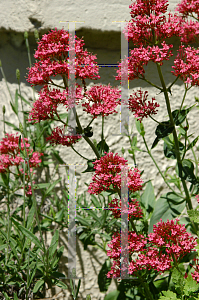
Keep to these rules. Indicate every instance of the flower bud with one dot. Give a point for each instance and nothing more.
(17, 74)
(25, 34)
(36, 34)
(4, 109)
(88, 297)
(21, 127)
(74, 272)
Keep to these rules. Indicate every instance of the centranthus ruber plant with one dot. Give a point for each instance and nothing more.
(162, 242)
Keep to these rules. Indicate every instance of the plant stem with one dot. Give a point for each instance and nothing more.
(149, 152)
(188, 200)
(145, 286)
(78, 153)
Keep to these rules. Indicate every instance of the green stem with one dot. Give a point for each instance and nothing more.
(145, 286)
(149, 152)
(78, 153)
(30, 63)
(188, 200)
(34, 201)
(6, 82)
(102, 128)
(152, 84)
(8, 209)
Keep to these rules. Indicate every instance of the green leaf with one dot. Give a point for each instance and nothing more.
(190, 286)
(12, 125)
(90, 167)
(16, 101)
(103, 281)
(168, 206)
(148, 198)
(3, 246)
(169, 148)
(38, 285)
(181, 116)
(164, 129)
(23, 99)
(56, 155)
(112, 295)
(95, 201)
(13, 108)
(52, 185)
(53, 244)
(168, 295)
(155, 142)
(60, 284)
(102, 144)
(30, 236)
(30, 217)
(15, 296)
(187, 171)
(41, 185)
(192, 144)
(5, 178)
(140, 127)
(94, 215)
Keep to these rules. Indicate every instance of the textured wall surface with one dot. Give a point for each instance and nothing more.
(102, 37)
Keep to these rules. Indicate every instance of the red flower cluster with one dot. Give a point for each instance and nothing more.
(168, 241)
(140, 57)
(186, 65)
(148, 24)
(11, 156)
(188, 7)
(133, 211)
(107, 171)
(46, 106)
(58, 137)
(53, 50)
(137, 104)
(104, 98)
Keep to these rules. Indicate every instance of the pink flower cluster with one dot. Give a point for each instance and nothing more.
(107, 170)
(53, 50)
(189, 32)
(188, 7)
(168, 241)
(11, 156)
(46, 106)
(104, 99)
(133, 211)
(186, 65)
(59, 137)
(148, 25)
(137, 104)
(140, 57)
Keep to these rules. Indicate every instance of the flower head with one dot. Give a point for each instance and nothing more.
(46, 106)
(186, 65)
(11, 156)
(53, 55)
(188, 8)
(138, 105)
(107, 172)
(104, 99)
(133, 211)
(58, 136)
(148, 25)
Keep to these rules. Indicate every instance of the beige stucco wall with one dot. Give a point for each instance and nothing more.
(102, 37)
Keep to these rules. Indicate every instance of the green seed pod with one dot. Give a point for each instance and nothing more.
(4, 109)
(17, 74)
(25, 34)
(88, 297)
(21, 127)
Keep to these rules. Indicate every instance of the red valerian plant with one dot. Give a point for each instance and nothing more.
(11, 156)
(160, 250)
